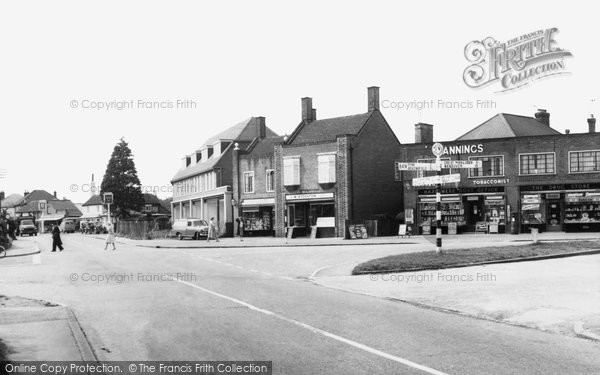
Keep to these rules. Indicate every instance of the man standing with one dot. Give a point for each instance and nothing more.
(212, 230)
(56, 241)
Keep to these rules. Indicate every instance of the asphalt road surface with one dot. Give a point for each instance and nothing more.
(200, 304)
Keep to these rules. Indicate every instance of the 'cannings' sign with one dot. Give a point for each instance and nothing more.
(514, 63)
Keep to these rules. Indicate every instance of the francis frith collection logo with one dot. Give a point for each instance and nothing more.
(515, 63)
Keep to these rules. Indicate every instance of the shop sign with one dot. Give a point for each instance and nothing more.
(258, 202)
(463, 149)
(434, 180)
(491, 181)
(530, 207)
(297, 197)
(452, 228)
(581, 186)
(553, 196)
(358, 231)
(531, 200)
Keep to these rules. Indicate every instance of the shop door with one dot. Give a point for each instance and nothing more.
(554, 216)
(473, 212)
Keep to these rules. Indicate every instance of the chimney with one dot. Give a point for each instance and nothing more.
(261, 128)
(543, 116)
(567, 131)
(55, 194)
(373, 96)
(592, 124)
(423, 133)
(307, 110)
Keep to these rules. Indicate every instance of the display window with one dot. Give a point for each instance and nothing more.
(258, 219)
(580, 208)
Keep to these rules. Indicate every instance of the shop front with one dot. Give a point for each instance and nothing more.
(468, 209)
(257, 215)
(304, 210)
(561, 207)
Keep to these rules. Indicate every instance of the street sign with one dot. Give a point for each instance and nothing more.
(437, 149)
(457, 164)
(434, 180)
(108, 198)
(415, 166)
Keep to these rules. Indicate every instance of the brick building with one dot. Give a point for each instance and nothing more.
(254, 185)
(203, 186)
(337, 169)
(531, 175)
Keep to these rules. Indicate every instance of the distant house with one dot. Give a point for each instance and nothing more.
(46, 208)
(10, 202)
(94, 211)
(153, 206)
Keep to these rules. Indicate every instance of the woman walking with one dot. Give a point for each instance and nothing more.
(56, 241)
(110, 237)
(212, 230)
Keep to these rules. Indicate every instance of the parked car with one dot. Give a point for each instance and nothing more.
(27, 227)
(68, 225)
(191, 228)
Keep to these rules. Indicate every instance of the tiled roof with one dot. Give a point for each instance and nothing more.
(265, 146)
(29, 207)
(328, 129)
(505, 125)
(65, 205)
(11, 200)
(36, 195)
(95, 200)
(150, 199)
(245, 131)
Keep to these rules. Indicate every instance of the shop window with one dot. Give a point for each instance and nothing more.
(291, 171)
(248, 182)
(491, 166)
(321, 210)
(584, 161)
(432, 173)
(270, 180)
(326, 168)
(543, 163)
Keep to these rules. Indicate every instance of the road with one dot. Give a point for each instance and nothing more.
(223, 305)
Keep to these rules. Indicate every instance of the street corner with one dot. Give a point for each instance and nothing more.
(32, 329)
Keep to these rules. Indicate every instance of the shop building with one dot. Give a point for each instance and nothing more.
(254, 185)
(202, 188)
(532, 176)
(331, 171)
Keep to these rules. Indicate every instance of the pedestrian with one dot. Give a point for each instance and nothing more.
(212, 230)
(240, 225)
(110, 237)
(56, 241)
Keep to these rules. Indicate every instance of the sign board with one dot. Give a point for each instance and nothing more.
(402, 230)
(416, 166)
(313, 232)
(481, 226)
(108, 198)
(296, 197)
(434, 180)
(42, 205)
(493, 228)
(452, 228)
(530, 207)
(426, 229)
(290, 232)
(437, 149)
(461, 164)
(531, 200)
(325, 222)
(358, 231)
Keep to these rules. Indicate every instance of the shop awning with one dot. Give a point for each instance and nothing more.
(52, 217)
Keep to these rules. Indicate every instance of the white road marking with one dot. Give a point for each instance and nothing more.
(341, 339)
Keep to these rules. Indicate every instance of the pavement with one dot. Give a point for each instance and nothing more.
(259, 303)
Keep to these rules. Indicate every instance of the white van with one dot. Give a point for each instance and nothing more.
(191, 228)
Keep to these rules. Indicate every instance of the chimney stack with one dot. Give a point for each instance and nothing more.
(423, 133)
(55, 194)
(373, 98)
(307, 110)
(543, 116)
(261, 128)
(592, 124)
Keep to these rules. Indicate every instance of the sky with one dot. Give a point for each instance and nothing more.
(227, 61)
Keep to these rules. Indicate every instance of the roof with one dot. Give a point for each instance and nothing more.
(505, 125)
(65, 205)
(244, 131)
(29, 207)
(265, 146)
(328, 129)
(150, 199)
(95, 200)
(11, 200)
(36, 195)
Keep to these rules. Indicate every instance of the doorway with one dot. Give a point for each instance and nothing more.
(554, 216)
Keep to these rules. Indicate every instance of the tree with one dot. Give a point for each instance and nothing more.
(122, 180)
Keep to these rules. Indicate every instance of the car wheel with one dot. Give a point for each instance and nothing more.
(196, 236)
(179, 236)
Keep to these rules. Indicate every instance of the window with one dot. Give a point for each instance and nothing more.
(248, 182)
(291, 171)
(491, 166)
(148, 208)
(584, 161)
(326, 168)
(537, 163)
(432, 173)
(270, 181)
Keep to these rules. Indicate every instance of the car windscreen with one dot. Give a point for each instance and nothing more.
(27, 222)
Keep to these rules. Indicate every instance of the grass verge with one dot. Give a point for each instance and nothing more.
(429, 260)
